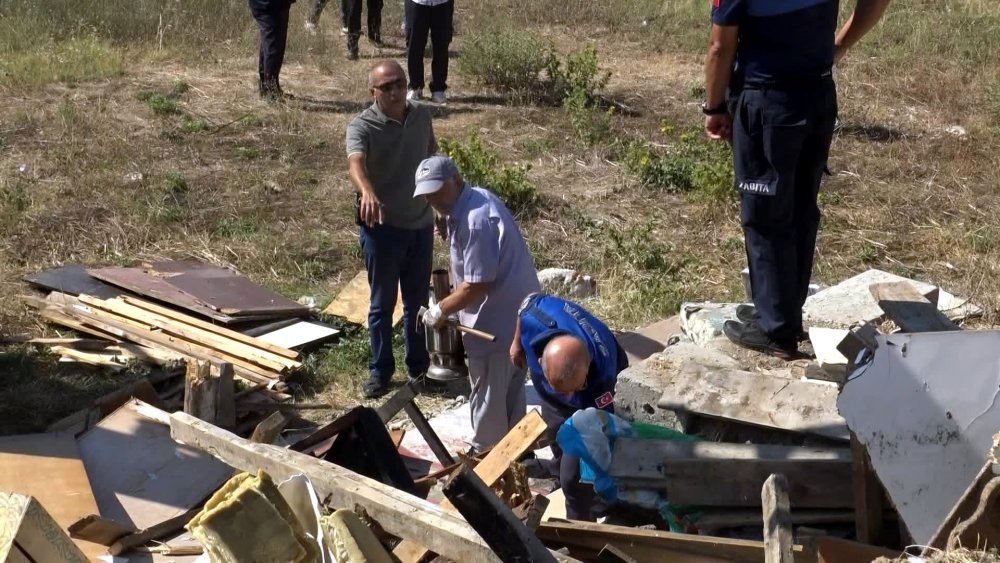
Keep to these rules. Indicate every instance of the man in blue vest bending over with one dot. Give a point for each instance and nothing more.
(574, 361)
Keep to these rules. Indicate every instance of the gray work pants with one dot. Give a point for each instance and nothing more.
(497, 399)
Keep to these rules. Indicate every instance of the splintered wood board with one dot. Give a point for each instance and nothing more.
(354, 300)
(48, 467)
(140, 476)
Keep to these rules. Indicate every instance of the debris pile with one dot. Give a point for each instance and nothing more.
(893, 422)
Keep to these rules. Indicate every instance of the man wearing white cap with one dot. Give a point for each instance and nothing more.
(493, 271)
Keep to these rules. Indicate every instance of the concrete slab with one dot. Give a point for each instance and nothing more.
(926, 408)
(850, 301)
(702, 322)
(641, 386)
(644, 342)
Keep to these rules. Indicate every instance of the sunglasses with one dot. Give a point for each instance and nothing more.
(397, 84)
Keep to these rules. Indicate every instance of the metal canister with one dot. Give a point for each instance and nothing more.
(444, 344)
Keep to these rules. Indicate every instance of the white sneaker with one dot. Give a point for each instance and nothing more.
(343, 31)
(415, 94)
(311, 28)
(439, 97)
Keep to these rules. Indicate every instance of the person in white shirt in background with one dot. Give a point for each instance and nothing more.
(431, 18)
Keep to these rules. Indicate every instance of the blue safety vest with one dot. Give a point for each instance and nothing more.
(545, 316)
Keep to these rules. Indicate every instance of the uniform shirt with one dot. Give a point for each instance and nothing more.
(487, 246)
(546, 316)
(393, 150)
(780, 40)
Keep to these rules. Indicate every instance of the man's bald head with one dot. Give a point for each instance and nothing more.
(382, 69)
(565, 363)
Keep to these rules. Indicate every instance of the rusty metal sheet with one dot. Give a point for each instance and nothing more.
(74, 280)
(224, 290)
(207, 290)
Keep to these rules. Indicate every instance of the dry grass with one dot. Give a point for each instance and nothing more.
(90, 172)
(960, 555)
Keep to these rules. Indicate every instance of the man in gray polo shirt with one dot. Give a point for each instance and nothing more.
(493, 271)
(385, 143)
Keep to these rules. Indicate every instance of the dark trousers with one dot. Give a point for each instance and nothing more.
(272, 19)
(781, 140)
(352, 14)
(435, 22)
(397, 260)
(317, 9)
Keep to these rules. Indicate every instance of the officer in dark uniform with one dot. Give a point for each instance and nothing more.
(776, 57)
(272, 19)
(574, 362)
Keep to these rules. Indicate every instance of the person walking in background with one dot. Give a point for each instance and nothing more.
(434, 19)
(312, 20)
(493, 271)
(385, 143)
(352, 14)
(272, 19)
(780, 113)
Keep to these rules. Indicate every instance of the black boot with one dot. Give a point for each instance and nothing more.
(750, 335)
(747, 313)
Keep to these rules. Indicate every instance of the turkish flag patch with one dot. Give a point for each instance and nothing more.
(715, 3)
(605, 400)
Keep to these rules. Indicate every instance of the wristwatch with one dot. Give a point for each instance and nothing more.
(717, 110)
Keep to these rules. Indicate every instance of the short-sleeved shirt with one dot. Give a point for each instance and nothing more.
(780, 40)
(393, 150)
(487, 247)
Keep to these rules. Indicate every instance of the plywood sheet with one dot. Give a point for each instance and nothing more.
(48, 467)
(140, 476)
(300, 334)
(222, 289)
(354, 300)
(926, 409)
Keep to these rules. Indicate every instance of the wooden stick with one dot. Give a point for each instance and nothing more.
(777, 522)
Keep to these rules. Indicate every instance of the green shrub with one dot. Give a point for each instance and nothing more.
(174, 184)
(506, 60)
(579, 73)
(690, 164)
(189, 125)
(482, 167)
(591, 124)
(160, 104)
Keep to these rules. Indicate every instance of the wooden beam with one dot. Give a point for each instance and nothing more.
(99, 530)
(433, 441)
(910, 310)
(777, 521)
(868, 509)
(586, 539)
(519, 440)
(154, 532)
(611, 554)
(818, 477)
(397, 401)
(208, 392)
(506, 535)
(531, 511)
(400, 514)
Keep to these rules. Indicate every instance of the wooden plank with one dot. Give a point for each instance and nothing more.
(519, 440)
(207, 389)
(140, 476)
(818, 477)
(48, 467)
(29, 533)
(963, 509)
(867, 492)
(910, 310)
(158, 289)
(586, 539)
(720, 518)
(433, 441)
(777, 522)
(354, 300)
(506, 535)
(398, 513)
(981, 531)
(204, 325)
(204, 337)
(611, 554)
(154, 532)
(268, 430)
(96, 529)
(397, 401)
(755, 399)
(531, 511)
(128, 329)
